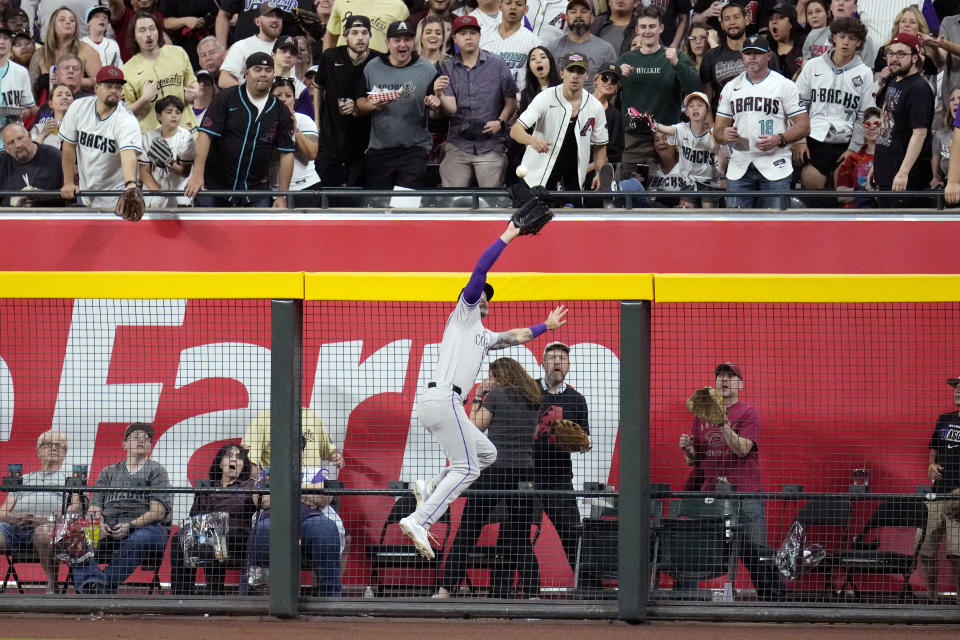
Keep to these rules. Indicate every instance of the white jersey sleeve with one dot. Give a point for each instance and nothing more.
(463, 347)
(68, 126)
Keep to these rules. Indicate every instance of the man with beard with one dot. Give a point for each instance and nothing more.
(241, 131)
(270, 20)
(28, 165)
(121, 16)
(902, 158)
(439, 8)
(722, 64)
(598, 51)
(344, 133)
(101, 139)
(14, 82)
(247, 13)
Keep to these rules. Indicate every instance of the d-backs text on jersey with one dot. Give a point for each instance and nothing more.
(101, 143)
(768, 106)
(836, 96)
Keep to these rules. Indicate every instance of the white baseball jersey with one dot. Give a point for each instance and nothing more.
(182, 145)
(107, 49)
(698, 154)
(835, 99)
(236, 59)
(673, 180)
(463, 348)
(759, 109)
(304, 173)
(15, 91)
(548, 18)
(878, 15)
(99, 143)
(514, 50)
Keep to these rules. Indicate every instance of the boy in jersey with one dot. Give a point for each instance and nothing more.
(440, 407)
(754, 112)
(158, 172)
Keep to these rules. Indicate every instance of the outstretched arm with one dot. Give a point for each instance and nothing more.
(474, 288)
(556, 319)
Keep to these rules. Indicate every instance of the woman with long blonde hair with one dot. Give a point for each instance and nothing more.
(910, 20)
(63, 37)
(433, 40)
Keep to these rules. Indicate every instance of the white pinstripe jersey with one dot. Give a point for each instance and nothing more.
(514, 50)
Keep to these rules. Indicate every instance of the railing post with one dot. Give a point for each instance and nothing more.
(285, 341)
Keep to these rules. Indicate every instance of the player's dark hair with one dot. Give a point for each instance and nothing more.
(168, 101)
(851, 27)
(651, 11)
(510, 373)
(216, 471)
(132, 29)
(532, 86)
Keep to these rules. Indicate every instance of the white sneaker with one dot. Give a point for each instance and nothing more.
(419, 488)
(418, 534)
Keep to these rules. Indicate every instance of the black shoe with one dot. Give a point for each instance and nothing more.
(93, 588)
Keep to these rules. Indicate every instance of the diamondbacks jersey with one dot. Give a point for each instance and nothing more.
(107, 49)
(759, 109)
(673, 180)
(99, 143)
(182, 145)
(514, 50)
(171, 71)
(463, 347)
(698, 154)
(835, 97)
(15, 91)
(548, 18)
(304, 173)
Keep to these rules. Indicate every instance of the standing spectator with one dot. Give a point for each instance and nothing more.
(45, 129)
(700, 160)
(172, 173)
(932, 58)
(61, 40)
(270, 21)
(724, 63)
(676, 21)
(23, 48)
(135, 522)
(381, 13)
(479, 98)
(206, 91)
(510, 39)
(69, 74)
(902, 159)
(210, 55)
(755, 114)
(569, 131)
(101, 139)
(547, 18)
(541, 73)
(433, 40)
(188, 22)
(606, 89)
(247, 14)
(156, 71)
(942, 139)
(344, 132)
(788, 36)
(487, 13)
(835, 88)
(98, 19)
(233, 139)
(19, 22)
(121, 15)
(854, 172)
(304, 177)
(818, 18)
(655, 79)
(618, 25)
(598, 51)
(284, 60)
(701, 39)
(436, 8)
(14, 82)
(943, 516)
(399, 138)
(732, 451)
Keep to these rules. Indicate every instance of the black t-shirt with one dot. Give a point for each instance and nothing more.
(248, 9)
(671, 10)
(721, 65)
(43, 172)
(513, 422)
(907, 105)
(946, 442)
(552, 467)
(341, 136)
(754, 10)
(615, 128)
(206, 9)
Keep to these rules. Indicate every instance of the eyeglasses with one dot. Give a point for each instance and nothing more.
(871, 125)
(138, 435)
(697, 38)
(54, 445)
(899, 54)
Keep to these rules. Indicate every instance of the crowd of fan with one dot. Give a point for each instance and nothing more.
(695, 96)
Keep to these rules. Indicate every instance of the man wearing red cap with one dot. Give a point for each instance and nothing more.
(902, 158)
(101, 140)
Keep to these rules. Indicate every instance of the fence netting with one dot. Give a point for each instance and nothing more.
(831, 479)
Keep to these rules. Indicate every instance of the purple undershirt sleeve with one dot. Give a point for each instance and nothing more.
(474, 288)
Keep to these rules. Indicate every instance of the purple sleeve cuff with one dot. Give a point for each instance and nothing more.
(538, 329)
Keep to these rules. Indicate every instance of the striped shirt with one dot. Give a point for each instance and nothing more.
(878, 16)
(514, 50)
(480, 92)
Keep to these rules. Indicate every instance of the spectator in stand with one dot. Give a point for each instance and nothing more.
(19, 22)
(701, 39)
(854, 172)
(210, 55)
(477, 92)
(547, 18)
(344, 133)
(70, 74)
(188, 22)
(724, 63)
(157, 70)
(227, 135)
(666, 174)
(876, 16)
(433, 40)
(541, 73)
(655, 79)
(437, 8)
(902, 159)
(270, 22)
(22, 49)
(206, 91)
(46, 8)
(323, 9)
(942, 138)
(284, 59)
(487, 14)
(817, 41)
(948, 39)
(606, 89)
(381, 13)
(304, 176)
(711, 11)
(47, 124)
(121, 15)
(98, 19)
(305, 57)
(15, 83)
(835, 88)
(760, 114)
(701, 161)
(400, 140)
(787, 36)
(510, 39)
(816, 16)
(248, 14)
(172, 174)
(579, 39)
(618, 25)
(932, 58)
(28, 166)
(61, 40)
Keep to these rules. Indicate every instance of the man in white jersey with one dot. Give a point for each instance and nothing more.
(753, 115)
(511, 40)
(101, 138)
(440, 407)
(16, 96)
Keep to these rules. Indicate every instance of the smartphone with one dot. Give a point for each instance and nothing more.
(642, 170)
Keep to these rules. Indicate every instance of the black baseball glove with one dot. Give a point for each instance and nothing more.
(532, 212)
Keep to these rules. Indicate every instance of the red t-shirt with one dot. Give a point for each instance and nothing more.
(716, 459)
(854, 170)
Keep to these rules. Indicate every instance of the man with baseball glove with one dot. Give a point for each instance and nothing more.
(723, 446)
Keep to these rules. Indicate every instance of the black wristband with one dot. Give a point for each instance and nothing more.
(133, 182)
(783, 141)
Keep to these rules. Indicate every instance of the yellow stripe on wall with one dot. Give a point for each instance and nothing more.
(150, 284)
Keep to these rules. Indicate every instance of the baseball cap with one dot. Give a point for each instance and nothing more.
(908, 39)
(583, 3)
(95, 8)
(756, 42)
(609, 70)
(285, 42)
(110, 73)
(400, 28)
(465, 22)
(204, 75)
(259, 59)
(356, 21)
(953, 382)
(727, 367)
(574, 59)
(22, 34)
(696, 94)
(785, 10)
(138, 426)
(556, 345)
(312, 70)
(269, 7)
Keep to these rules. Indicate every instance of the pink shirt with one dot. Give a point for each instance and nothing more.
(716, 459)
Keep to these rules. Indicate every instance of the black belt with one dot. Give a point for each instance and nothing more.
(456, 389)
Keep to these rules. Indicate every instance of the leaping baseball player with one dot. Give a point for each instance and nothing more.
(440, 408)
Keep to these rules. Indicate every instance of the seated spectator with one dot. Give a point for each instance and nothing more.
(210, 54)
(701, 39)
(61, 40)
(305, 176)
(26, 517)
(135, 522)
(433, 40)
(854, 172)
(47, 124)
(270, 21)
(942, 139)
(284, 60)
(606, 89)
(69, 74)
(206, 90)
(155, 70)
(159, 171)
(190, 22)
(23, 48)
(98, 19)
(787, 36)
(122, 14)
(578, 38)
(27, 166)
(322, 536)
(230, 469)
(666, 173)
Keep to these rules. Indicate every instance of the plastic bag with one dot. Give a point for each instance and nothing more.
(795, 554)
(75, 538)
(204, 538)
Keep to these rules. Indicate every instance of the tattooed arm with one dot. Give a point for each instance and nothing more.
(556, 319)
